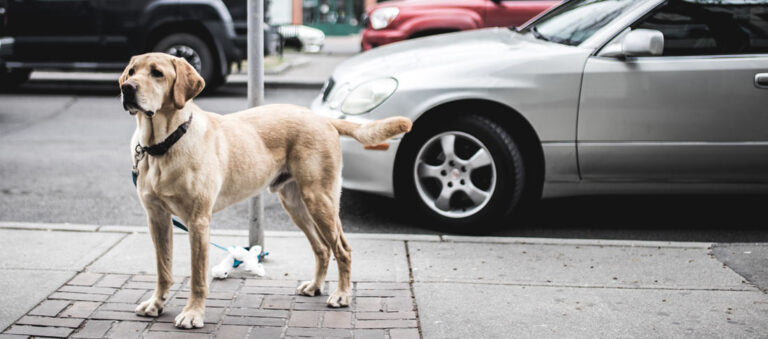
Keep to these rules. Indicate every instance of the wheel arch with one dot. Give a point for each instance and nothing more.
(514, 123)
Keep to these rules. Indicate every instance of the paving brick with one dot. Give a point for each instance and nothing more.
(50, 307)
(369, 334)
(268, 290)
(253, 321)
(80, 309)
(272, 283)
(142, 285)
(409, 333)
(318, 332)
(85, 279)
(87, 289)
(382, 286)
(399, 304)
(49, 321)
(127, 296)
(225, 285)
(266, 332)
(120, 307)
(170, 327)
(252, 312)
(13, 336)
(112, 315)
(94, 329)
(78, 296)
(127, 329)
(369, 304)
(248, 300)
(176, 335)
(113, 280)
(385, 315)
(39, 331)
(221, 295)
(385, 323)
(233, 332)
(317, 307)
(383, 293)
(337, 319)
(304, 319)
(277, 302)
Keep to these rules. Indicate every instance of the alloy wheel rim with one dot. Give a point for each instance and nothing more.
(455, 174)
(188, 53)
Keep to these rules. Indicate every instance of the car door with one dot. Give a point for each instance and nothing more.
(53, 30)
(126, 24)
(695, 113)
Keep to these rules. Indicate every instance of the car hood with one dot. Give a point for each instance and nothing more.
(457, 53)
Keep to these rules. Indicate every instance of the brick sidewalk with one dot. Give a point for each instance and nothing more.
(101, 305)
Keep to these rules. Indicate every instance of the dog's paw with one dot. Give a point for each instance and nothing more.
(150, 308)
(309, 288)
(190, 318)
(339, 299)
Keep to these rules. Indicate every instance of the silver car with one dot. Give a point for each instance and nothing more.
(593, 96)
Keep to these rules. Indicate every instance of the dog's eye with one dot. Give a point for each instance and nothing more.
(130, 71)
(157, 74)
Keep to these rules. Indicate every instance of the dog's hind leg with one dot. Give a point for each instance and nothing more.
(322, 205)
(290, 197)
(162, 236)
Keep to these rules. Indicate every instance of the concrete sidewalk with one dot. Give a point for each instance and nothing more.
(84, 281)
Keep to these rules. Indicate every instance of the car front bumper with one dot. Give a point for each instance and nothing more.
(364, 169)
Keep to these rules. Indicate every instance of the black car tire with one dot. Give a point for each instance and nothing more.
(208, 66)
(504, 195)
(11, 79)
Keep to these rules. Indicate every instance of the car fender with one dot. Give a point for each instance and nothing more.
(458, 19)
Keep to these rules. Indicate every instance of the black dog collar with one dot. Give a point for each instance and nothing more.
(163, 147)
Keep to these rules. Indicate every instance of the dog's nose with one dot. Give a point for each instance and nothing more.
(129, 88)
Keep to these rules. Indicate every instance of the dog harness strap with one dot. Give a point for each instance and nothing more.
(165, 145)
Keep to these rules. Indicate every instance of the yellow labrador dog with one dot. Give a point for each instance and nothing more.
(193, 163)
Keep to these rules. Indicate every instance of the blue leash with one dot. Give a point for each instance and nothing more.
(180, 225)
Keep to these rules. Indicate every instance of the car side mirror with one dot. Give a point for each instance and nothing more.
(638, 42)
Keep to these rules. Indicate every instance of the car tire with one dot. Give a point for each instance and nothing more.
(13, 78)
(475, 188)
(198, 53)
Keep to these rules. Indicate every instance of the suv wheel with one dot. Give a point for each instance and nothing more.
(197, 53)
(467, 174)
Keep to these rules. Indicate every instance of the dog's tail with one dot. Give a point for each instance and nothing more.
(374, 132)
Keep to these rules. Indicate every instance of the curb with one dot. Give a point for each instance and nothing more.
(11, 225)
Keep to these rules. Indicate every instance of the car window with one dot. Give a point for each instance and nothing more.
(575, 21)
(706, 27)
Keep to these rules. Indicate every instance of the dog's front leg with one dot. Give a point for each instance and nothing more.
(193, 313)
(162, 236)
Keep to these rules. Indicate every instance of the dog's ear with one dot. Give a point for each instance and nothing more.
(188, 83)
(124, 76)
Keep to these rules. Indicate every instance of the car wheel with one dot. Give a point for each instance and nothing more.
(466, 174)
(13, 78)
(197, 53)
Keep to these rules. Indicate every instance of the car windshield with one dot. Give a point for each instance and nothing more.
(576, 21)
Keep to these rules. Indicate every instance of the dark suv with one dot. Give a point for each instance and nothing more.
(104, 34)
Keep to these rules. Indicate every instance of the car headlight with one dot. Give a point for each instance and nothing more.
(367, 95)
(382, 17)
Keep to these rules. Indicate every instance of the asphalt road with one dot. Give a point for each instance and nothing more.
(64, 157)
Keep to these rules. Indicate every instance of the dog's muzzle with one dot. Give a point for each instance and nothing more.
(129, 89)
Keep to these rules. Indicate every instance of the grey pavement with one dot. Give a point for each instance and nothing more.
(463, 287)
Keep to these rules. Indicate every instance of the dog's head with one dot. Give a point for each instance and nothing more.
(156, 82)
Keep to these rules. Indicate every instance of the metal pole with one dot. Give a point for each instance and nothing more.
(256, 98)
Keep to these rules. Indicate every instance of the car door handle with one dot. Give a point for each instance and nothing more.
(761, 80)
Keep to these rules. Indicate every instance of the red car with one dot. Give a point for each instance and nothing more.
(397, 20)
